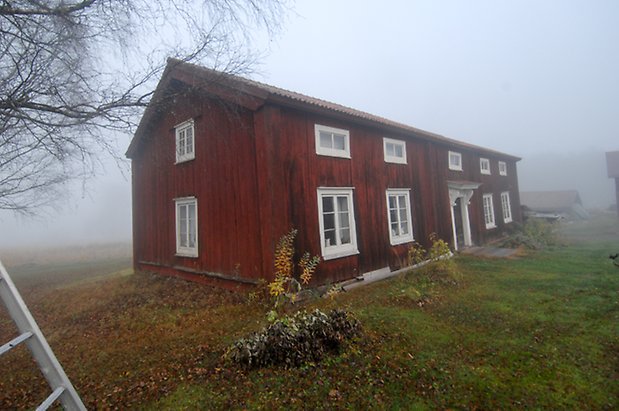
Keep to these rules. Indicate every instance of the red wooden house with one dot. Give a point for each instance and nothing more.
(223, 166)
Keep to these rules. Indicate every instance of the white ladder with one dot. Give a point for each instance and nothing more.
(62, 389)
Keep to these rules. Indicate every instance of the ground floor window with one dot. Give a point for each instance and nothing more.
(399, 214)
(507, 208)
(338, 237)
(187, 226)
(488, 211)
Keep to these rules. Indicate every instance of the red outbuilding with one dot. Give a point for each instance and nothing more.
(223, 166)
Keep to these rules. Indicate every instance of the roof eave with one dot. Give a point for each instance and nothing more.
(399, 128)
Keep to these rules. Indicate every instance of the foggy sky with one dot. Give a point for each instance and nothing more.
(539, 80)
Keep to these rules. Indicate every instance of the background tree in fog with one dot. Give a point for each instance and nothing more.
(76, 74)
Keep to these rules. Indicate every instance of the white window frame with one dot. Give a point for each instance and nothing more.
(502, 168)
(394, 158)
(330, 151)
(488, 207)
(185, 152)
(337, 250)
(185, 250)
(484, 166)
(506, 206)
(396, 238)
(453, 166)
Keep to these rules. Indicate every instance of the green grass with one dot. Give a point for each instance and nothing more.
(537, 331)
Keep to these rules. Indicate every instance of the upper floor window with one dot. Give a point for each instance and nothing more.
(506, 206)
(336, 217)
(502, 168)
(399, 212)
(455, 161)
(332, 141)
(484, 165)
(187, 226)
(488, 211)
(185, 142)
(394, 150)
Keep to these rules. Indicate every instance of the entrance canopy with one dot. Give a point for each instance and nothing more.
(462, 190)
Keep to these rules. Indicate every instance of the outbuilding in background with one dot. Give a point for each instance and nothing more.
(553, 205)
(612, 165)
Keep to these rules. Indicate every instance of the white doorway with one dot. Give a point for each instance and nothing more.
(460, 193)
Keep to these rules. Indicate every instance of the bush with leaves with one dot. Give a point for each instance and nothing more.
(438, 264)
(535, 234)
(292, 341)
(439, 251)
(416, 254)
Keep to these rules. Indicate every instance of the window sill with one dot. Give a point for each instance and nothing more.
(186, 254)
(184, 160)
(490, 227)
(340, 254)
(399, 241)
(395, 160)
(508, 221)
(455, 169)
(334, 153)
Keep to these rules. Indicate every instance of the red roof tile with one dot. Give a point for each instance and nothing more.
(285, 97)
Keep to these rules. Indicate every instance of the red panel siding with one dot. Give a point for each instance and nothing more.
(256, 175)
(223, 179)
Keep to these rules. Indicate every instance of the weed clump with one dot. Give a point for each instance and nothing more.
(293, 341)
(285, 287)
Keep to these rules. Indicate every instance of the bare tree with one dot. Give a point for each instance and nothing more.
(74, 74)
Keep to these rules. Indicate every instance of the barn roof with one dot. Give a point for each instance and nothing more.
(550, 201)
(239, 89)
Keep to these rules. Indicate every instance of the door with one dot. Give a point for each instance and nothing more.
(457, 210)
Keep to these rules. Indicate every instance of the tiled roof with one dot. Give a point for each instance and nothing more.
(285, 97)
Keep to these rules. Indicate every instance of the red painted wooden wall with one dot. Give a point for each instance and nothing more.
(255, 176)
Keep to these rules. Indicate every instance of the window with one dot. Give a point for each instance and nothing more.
(502, 168)
(185, 148)
(331, 141)
(455, 161)
(337, 222)
(399, 212)
(484, 165)
(395, 151)
(187, 226)
(488, 211)
(507, 208)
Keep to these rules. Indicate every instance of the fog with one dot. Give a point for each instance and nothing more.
(584, 171)
(539, 80)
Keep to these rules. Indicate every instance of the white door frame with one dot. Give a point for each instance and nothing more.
(464, 191)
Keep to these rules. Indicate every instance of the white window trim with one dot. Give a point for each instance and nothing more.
(400, 239)
(456, 167)
(177, 131)
(492, 223)
(185, 251)
(486, 162)
(331, 152)
(502, 168)
(394, 159)
(506, 206)
(337, 251)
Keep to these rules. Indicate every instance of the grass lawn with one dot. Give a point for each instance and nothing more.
(537, 331)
